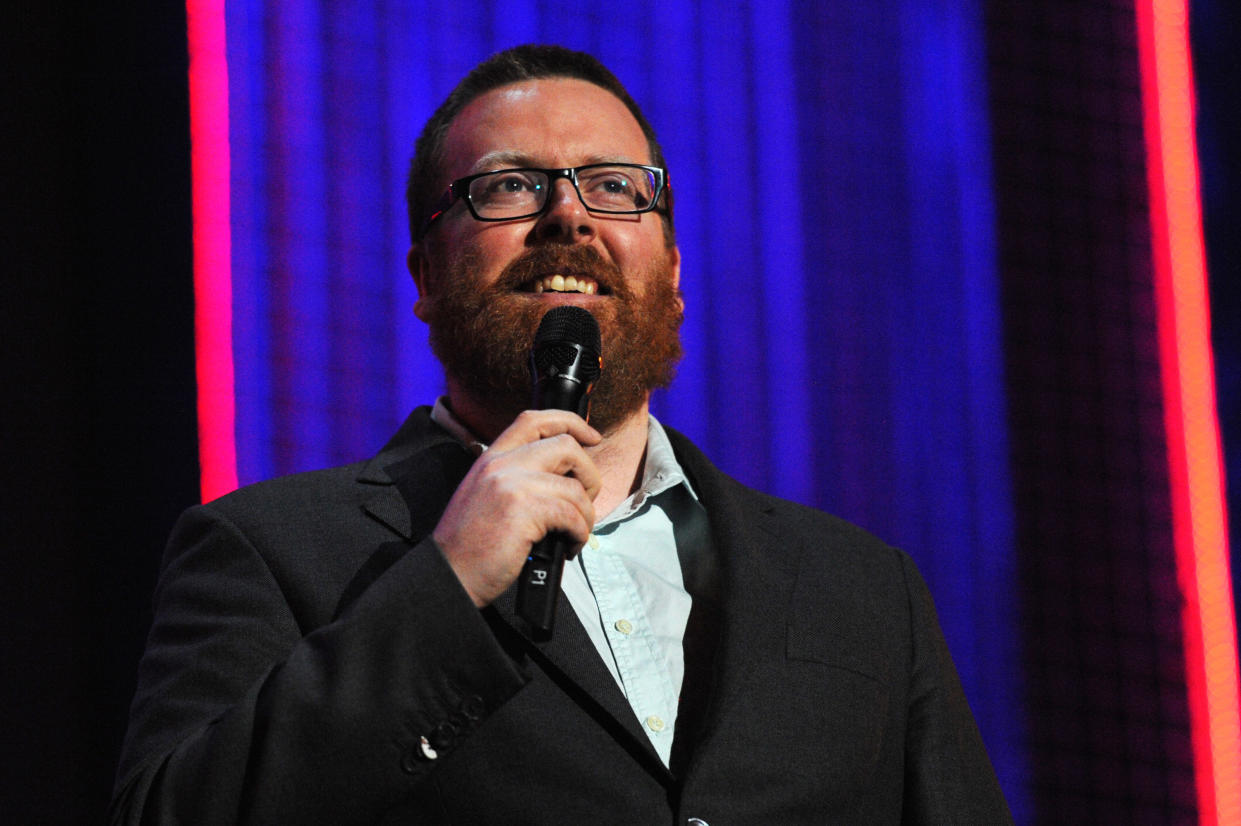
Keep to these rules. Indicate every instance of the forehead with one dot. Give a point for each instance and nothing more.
(553, 122)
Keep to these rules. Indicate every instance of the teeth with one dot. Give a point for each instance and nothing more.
(566, 284)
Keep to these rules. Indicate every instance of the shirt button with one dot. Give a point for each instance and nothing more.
(624, 626)
(655, 723)
(592, 542)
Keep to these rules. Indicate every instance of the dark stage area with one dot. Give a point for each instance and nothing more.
(100, 443)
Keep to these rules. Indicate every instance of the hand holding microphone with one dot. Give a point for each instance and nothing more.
(535, 479)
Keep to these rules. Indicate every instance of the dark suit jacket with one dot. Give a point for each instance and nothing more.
(314, 660)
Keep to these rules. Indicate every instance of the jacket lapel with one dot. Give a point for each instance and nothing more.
(410, 481)
(757, 569)
(413, 476)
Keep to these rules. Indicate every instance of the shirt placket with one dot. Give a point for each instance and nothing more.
(644, 675)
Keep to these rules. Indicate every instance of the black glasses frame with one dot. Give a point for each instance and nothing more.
(459, 190)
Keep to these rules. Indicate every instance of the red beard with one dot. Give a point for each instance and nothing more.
(482, 336)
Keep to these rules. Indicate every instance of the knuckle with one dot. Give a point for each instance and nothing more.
(504, 485)
(499, 492)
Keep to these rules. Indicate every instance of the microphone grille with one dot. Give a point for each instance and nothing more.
(567, 323)
(561, 333)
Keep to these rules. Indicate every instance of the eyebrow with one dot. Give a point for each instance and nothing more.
(504, 158)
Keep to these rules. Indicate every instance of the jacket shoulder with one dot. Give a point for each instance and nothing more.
(296, 492)
(309, 495)
(792, 519)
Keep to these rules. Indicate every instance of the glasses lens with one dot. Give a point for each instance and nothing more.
(509, 193)
(619, 188)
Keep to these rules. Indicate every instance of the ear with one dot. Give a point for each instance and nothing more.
(416, 261)
(675, 266)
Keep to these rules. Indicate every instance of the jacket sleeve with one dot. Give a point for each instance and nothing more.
(243, 717)
(948, 776)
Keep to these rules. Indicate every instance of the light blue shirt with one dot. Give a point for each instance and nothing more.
(626, 585)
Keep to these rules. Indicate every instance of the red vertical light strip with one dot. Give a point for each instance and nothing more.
(1194, 455)
(213, 289)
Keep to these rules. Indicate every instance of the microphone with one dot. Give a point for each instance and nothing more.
(565, 362)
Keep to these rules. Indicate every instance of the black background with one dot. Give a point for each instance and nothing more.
(98, 436)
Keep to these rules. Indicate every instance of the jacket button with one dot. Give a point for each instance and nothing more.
(472, 707)
(409, 763)
(443, 736)
(696, 821)
(418, 754)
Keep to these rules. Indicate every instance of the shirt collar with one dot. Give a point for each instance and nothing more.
(442, 416)
(660, 471)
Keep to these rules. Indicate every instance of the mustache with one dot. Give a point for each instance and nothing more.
(545, 260)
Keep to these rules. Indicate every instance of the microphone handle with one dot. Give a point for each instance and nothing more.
(538, 587)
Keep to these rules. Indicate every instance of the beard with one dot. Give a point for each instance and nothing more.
(482, 334)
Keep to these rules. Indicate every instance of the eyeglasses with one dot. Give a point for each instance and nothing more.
(511, 194)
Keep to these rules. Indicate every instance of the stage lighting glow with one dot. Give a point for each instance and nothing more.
(208, 80)
(1194, 455)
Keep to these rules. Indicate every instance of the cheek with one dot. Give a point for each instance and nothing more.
(473, 256)
(492, 248)
(635, 248)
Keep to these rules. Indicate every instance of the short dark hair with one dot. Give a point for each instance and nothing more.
(423, 187)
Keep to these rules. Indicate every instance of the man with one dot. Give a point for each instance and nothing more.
(342, 647)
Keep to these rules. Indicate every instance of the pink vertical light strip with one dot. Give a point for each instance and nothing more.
(1194, 454)
(213, 289)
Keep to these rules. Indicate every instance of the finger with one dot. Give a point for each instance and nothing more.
(578, 518)
(541, 500)
(565, 519)
(559, 456)
(533, 425)
(563, 456)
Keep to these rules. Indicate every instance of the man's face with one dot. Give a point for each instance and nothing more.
(479, 282)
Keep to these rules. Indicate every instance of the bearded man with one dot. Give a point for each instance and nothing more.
(342, 646)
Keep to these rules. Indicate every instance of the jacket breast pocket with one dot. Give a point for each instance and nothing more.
(835, 720)
(841, 681)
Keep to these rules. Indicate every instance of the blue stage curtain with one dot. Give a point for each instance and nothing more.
(843, 325)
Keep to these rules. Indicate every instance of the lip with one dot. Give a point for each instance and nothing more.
(563, 298)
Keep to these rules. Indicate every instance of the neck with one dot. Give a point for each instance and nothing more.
(619, 457)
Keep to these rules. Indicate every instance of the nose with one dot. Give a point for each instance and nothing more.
(565, 219)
